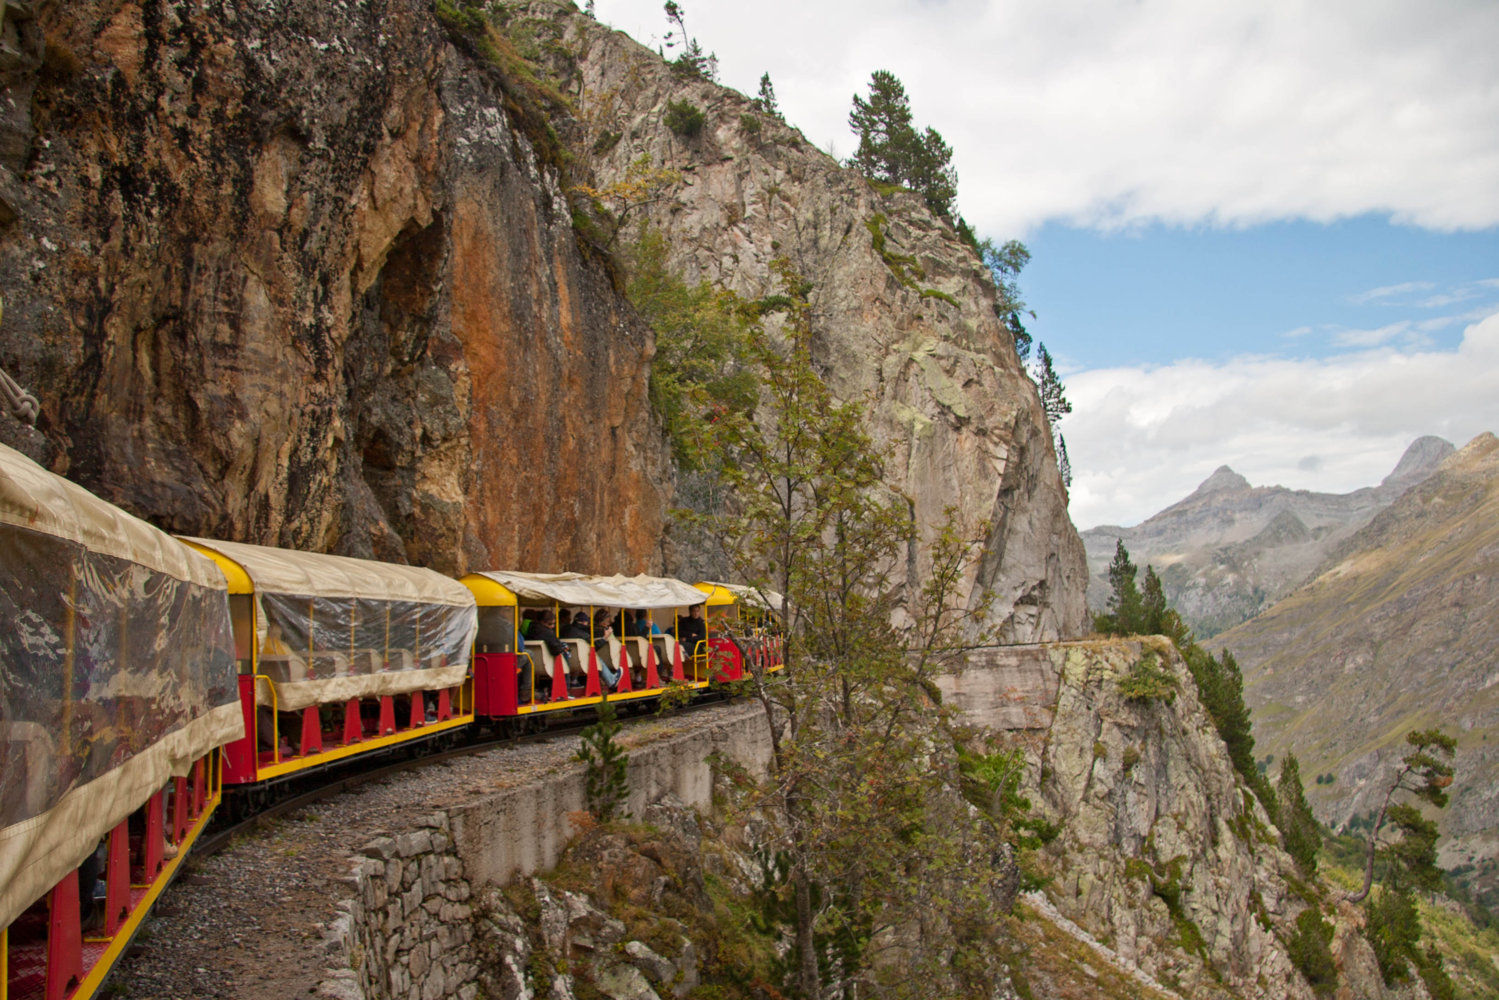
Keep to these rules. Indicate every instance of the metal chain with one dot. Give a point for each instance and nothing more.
(22, 404)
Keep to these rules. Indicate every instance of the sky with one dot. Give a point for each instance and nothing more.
(1264, 234)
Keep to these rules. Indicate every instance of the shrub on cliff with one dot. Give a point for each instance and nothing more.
(684, 118)
(1310, 952)
(1148, 681)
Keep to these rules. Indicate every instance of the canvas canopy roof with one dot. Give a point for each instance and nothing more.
(313, 574)
(749, 595)
(116, 672)
(578, 589)
(33, 498)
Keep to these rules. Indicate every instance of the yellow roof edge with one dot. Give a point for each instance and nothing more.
(718, 596)
(239, 580)
(488, 593)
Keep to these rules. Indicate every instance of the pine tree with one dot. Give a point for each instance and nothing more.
(1152, 604)
(606, 784)
(893, 151)
(1224, 699)
(1298, 827)
(1064, 464)
(1052, 399)
(882, 124)
(765, 100)
(1124, 608)
(1424, 772)
(690, 61)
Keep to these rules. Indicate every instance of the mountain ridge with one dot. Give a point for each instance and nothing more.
(1219, 559)
(1398, 631)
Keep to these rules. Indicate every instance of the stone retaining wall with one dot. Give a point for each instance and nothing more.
(406, 931)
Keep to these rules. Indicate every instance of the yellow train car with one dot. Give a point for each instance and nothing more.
(339, 657)
(744, 627)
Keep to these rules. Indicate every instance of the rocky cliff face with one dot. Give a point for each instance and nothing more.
(1398, 633)
(1162, 855)
(1230, 550)
(903, 311)
(294, 273)
(289, 273)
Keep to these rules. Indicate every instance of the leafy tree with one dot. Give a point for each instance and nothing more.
(765, 101)
(887, 878)
(1298, 827)
(1005, 263)
(1424, 772)
(893, 151)
(691, 61)
(702, 366)
(643, 184)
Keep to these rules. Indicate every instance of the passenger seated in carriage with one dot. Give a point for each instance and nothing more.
(603, 644)
(542, 632)
(577, 627)
(692, 630)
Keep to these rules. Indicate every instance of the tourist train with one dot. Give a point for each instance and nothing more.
(145, 677)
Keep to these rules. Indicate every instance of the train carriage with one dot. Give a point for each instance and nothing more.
(646, 664)
(744, 625)
(339, 656)
(116, 687)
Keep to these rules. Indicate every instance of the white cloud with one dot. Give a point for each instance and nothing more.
(1369, 338)
(1392, 291)
(1142, 438)
(1117, 112)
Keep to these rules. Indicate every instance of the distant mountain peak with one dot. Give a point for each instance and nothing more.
(1223, 478)
(1423, 455)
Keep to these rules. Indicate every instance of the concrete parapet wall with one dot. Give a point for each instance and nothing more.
(1007, 687)
(523, 830)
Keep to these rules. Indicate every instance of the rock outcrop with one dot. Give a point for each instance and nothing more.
(1230, 550)
(289, 273)
(1162, 853)
(1397, 633)
(903, 311)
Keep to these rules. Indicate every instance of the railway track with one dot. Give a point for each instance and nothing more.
(342, 778)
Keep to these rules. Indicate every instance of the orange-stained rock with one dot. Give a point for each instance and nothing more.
(291, 276)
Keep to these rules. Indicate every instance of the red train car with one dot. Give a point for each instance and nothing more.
(516, 675)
